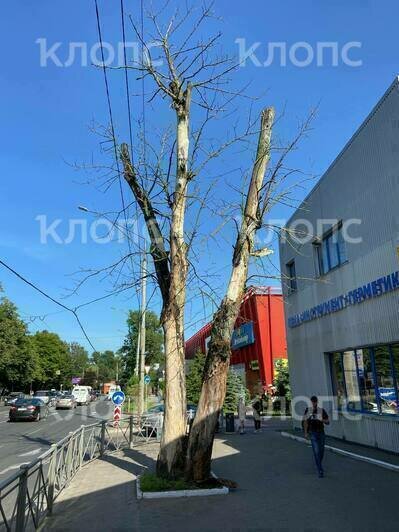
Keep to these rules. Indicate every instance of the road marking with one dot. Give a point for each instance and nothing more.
(31, 453)
(40, 428)
(11, 468)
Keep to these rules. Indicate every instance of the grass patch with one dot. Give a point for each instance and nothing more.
(150, 482)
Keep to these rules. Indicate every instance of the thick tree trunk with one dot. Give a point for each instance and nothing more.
(172, 452)
(199, 452)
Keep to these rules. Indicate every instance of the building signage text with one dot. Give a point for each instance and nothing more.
(376, 288)
(243, 335)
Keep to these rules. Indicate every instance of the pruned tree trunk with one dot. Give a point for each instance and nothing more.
(171, 270)
(171, 456)
(199, 451)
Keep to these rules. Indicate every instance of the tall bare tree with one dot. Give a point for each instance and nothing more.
(217, 362)
(188, 72)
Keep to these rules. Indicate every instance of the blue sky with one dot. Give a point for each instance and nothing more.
(46, 113)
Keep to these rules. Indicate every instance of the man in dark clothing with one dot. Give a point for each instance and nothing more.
(314, 420)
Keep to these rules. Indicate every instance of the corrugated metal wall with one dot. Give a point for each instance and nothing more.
(362, 184)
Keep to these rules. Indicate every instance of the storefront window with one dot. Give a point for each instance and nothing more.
(338, 378)
(366, 380)
(352, 383)
(385, 386)
(395, 362)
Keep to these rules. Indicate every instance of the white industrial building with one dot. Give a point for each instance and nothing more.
(339, 257)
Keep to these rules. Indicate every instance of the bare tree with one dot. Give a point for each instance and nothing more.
(188, 71)
(217, 363)
(174, 82)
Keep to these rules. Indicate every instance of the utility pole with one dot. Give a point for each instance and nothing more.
(141, 338)
(136, 367)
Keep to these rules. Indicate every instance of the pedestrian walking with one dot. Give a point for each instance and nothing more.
(256, 412)
(242, 410)
(314, 419)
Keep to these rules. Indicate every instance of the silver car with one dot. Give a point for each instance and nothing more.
(66, 401)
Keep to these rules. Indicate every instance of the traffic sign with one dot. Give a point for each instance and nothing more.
(118, 398)
(147, 379)
(117, 415)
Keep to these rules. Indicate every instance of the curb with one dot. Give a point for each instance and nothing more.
(180, 493)
(349, 454)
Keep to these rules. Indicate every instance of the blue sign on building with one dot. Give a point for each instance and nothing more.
(376, 288)
(243, 335)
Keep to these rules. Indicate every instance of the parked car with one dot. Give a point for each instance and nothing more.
(66, 401)
(28, 409)
(46, 396)
(153, 418)
(12, 397)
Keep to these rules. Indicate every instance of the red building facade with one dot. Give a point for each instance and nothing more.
(258, 339)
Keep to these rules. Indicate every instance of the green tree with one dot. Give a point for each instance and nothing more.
(234, 389)
(106, 364)
(90, 376)
(235, 386)
(18, 360)
(282, 379)
(79, 359)
(54, 358)
(153, 341)
(194, 378)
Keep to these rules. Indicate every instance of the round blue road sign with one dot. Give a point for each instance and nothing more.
(118, 398)
(147, 379)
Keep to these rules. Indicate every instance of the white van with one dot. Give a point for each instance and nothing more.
(82, 394)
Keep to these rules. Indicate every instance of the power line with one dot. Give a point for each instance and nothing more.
(32, 285)
(143, 87)
(129, 114)
(107, 91)
(111, 118)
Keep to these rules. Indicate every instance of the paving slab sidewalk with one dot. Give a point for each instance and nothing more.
(278, 492)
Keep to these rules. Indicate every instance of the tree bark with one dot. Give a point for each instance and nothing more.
(171, 271)
(172, 452)
(199, 452)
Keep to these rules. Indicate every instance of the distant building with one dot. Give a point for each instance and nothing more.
(107, 386)
(258, 339)
(341, 284)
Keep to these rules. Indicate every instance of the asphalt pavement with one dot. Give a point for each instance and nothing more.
(23, 441)
(278, 491)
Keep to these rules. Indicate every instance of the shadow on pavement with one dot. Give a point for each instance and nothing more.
(278, 491)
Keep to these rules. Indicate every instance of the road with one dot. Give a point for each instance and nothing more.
(22, 441)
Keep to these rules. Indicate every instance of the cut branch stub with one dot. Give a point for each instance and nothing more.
(157, 249)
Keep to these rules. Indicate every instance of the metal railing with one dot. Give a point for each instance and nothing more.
(27, 497)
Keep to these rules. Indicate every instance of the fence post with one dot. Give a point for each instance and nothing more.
(21, 500)
(102, 441)
(159, 424)
(130, 432)
(69, 457)
(81, 446)
(51, 478)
